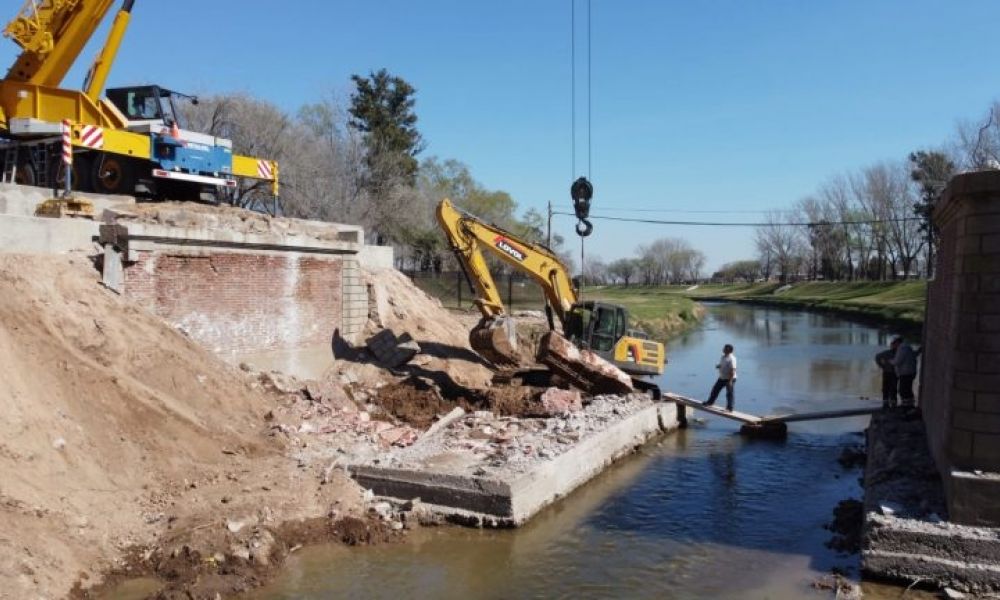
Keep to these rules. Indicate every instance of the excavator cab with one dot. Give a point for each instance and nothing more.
(604, 329)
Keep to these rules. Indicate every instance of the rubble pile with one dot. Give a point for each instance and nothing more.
(492, 443)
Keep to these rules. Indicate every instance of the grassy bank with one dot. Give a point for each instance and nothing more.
(661, 311)
(901, 302)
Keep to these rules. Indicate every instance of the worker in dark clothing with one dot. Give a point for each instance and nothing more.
(890, 382)
(905, 361)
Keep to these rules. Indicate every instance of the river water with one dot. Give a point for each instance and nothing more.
(703, 513)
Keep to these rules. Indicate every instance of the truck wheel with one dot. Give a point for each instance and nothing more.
(81, 173)
(113, 175)
(26, 174)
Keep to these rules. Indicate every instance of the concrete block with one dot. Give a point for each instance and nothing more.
(38, 235)
(959, 444)
(986, 453)
(978, 382)
(991, 244)
(976, 421)
(973, 502)
(988, 362)
(969, 244)
(988, 402)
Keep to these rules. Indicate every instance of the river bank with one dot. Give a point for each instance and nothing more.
(896, 303)
(660, 312)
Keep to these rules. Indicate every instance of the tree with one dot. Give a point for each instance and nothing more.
(931, 170)
(741, 270)
(780, 246)
(256, 128)
(382, 111)
(623, 270)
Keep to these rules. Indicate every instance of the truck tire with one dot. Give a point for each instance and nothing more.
(113, 175)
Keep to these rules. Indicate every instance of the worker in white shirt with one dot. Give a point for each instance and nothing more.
(727, 378)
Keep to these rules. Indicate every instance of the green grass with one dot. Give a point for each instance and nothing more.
(899, 301)
(661, 311)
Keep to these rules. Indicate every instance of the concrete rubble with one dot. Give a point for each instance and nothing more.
(393, 350)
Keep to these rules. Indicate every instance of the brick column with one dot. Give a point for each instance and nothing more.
(961, 366)
(355, 305)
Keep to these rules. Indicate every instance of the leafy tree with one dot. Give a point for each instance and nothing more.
(931, 170)
(382, 111)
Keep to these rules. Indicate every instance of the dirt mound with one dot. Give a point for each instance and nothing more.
(118, 430)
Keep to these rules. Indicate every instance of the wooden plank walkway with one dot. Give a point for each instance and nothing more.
(755, 420)
(715, 410)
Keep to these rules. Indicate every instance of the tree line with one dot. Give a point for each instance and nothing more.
(871, 224)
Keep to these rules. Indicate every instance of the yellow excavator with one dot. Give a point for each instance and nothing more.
(596, 326)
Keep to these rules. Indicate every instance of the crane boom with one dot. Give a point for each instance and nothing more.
(52, 34)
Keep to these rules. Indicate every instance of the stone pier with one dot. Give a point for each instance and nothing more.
(961, 366)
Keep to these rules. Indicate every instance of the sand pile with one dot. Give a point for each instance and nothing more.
(396, 303)
(118, 430)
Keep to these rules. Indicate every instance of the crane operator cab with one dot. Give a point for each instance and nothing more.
(191, 157)
(603, 329)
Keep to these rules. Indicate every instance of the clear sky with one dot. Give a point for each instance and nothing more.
(716, 105)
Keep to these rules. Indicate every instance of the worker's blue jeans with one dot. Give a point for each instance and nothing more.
(730, 385)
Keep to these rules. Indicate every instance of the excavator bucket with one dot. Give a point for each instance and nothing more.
(494, 339)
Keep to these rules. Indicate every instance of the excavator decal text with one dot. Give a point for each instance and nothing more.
(509, 248)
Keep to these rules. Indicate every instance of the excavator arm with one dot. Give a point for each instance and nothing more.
(494, 336)
(469, 236)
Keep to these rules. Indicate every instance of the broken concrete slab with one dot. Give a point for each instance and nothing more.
(556, 401)
(505, 480)
(582, 368)
(392, 350)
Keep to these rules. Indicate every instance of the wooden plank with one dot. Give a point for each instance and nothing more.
(827, 414)
(715, 410)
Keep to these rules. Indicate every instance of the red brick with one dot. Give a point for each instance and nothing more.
(991, 244)
(982, 223)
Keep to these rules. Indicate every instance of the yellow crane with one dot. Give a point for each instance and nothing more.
(597, 326)
(131, 138)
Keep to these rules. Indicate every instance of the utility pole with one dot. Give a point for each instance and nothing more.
(548, 237)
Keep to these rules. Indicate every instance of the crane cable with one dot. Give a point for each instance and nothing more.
(581, 191)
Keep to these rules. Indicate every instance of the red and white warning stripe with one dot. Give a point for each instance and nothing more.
(67, 142)
(91, 136)
(264, 169)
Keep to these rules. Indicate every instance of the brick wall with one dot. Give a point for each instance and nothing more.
(238, 302)
(960, 382)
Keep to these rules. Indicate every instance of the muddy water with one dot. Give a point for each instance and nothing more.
(703, 513)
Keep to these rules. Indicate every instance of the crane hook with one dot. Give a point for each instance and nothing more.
(582, 191)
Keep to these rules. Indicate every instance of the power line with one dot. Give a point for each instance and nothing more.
(686, 211)
(745, 224)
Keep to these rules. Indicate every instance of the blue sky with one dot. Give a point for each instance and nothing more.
(721, 105)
